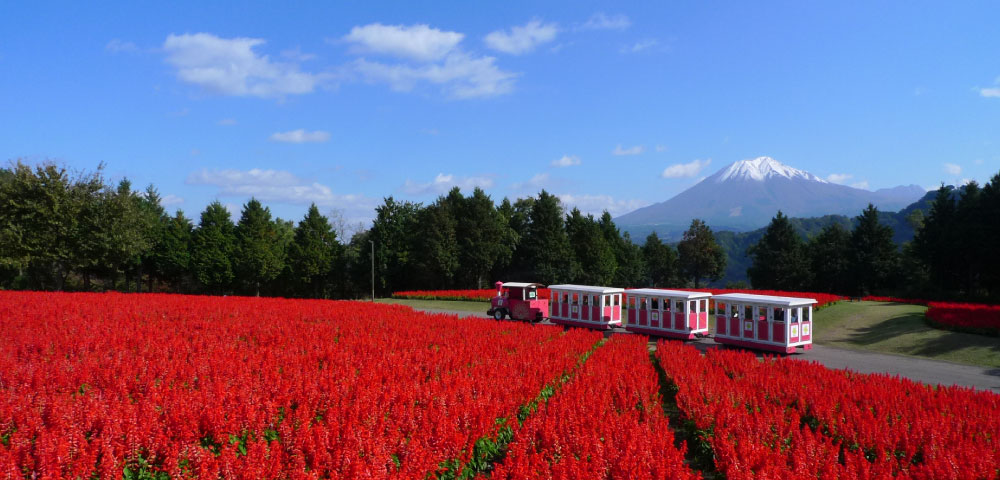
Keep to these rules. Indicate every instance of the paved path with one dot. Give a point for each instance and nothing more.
(919, 369)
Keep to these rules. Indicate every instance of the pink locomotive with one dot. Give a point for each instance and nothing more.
(518, 301)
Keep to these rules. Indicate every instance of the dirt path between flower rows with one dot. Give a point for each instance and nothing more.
(932, 372)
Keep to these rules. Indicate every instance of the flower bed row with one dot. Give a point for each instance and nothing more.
(606, 422)
(94, 385)
(784, 418)
(823, 299)
(483, 294)
(970, 317)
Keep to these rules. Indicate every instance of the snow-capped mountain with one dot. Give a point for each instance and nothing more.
(745, 195)
(761, 169)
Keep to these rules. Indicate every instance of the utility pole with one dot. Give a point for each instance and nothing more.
(373, 269)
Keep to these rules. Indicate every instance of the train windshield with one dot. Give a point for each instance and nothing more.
(532, 294)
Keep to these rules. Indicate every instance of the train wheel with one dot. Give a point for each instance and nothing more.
(498, 314)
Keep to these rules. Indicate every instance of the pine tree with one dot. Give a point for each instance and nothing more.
(312, 253)
(594, 256)
(934, 242)
(661, 262)
(547, 250)
(779, 258)
(259, 247)
(874, 257)
(435, 259)
(699, 255)
(213, 248)
(173, 261)
(480, 234)
(829, 260)
(392, 232)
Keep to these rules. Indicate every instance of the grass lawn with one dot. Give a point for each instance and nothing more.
(900, 328)
(454, 305)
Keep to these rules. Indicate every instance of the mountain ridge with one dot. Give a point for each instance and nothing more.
(746, 194)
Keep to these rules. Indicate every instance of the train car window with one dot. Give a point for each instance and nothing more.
(586, 299)
(654, 304)
(642, 303)
(793, 314)
(618, 300)
(576, 298)
(748, 312)
(532, 294)
(734, 311)
(679, 306)
(779, 314)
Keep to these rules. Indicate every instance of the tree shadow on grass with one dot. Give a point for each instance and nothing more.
(940, 343)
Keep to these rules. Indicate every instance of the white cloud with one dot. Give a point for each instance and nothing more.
(254, 176)
(990, 92)
(536, 182)
(566, 161)
(418, 42)
(602, 21)
(661, 148)
(978, 161)
(736, 211)
(171, 199)
(460, 74)
(640, 46)
(442, 183)
(429, 55)
(229, 66)
(965, 181)
(685, 170)
(226, 122)
(522, 39)
(297, 55)
(952, 169)
(597, 204)
(636, 150)
(120, 46)
(278, 186)
(862, 185)
(838, 177)
(301, 136)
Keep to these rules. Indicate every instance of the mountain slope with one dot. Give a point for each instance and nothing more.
(745, 195)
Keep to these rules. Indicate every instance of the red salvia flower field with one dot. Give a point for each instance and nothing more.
(784, 418)
(606, 422)
(235, 387)
(167, 386)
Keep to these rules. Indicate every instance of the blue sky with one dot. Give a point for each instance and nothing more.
(343, 103)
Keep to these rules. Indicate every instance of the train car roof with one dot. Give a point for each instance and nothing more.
(764, 299)
(587, 288)
(662, 292)
(521, 284)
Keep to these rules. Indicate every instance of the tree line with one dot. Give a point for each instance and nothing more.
(953, 254)
(65, 230)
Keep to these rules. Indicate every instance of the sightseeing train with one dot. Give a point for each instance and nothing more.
(762, 322)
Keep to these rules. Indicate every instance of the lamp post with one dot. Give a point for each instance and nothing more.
(373, 269)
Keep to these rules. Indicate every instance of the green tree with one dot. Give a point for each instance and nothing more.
(312, 253)
(435, 259)
(631, 264)
(699, 256)
(661, 262)
(547, 250)
(971, 243)
(779, 258)
(829, 259)
(259, 246)
(595, 258)
(934, 243)
(173, 250)
(481, 234)
(213, 248)
(990, 221)
(874, 257)
(391, 232)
